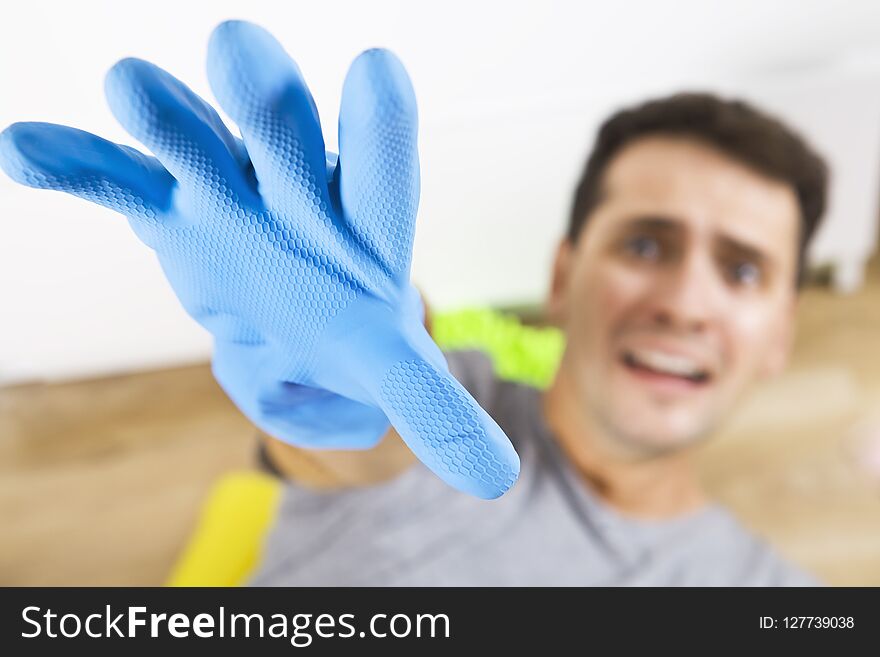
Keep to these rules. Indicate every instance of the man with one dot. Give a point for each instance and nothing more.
(675, 286)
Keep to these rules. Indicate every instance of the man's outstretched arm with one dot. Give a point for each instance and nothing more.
(296, 261)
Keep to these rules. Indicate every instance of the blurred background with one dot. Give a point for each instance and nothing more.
(111, 428)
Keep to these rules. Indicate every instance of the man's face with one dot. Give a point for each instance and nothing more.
(678, 293)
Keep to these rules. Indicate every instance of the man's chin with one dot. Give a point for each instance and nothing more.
(653, 437)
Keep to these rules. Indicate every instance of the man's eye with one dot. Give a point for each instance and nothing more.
(746, 274)
(646, 248)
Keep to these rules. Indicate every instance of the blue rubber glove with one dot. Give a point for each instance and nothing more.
(296, 262)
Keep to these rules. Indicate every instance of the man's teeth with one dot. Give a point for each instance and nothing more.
(666, 363)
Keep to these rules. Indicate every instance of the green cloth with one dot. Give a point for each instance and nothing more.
(525, 354)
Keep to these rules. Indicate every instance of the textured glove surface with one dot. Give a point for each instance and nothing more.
(297, 262)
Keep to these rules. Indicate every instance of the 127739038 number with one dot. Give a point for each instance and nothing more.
(808, 622)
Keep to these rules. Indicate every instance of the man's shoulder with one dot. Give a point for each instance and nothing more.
(475, 371)
(758, 563)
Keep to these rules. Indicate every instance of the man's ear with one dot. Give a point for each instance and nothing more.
(783, 342)
(557, 299)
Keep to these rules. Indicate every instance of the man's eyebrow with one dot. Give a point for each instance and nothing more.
(654, 223)
(743, 249)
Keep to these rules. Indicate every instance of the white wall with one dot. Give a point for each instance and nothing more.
(516, 83)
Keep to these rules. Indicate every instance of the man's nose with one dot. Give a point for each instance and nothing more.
(687, 295)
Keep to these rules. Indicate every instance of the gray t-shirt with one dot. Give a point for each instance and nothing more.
(549, 529)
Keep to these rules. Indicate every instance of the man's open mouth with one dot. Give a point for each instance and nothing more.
(664, 364)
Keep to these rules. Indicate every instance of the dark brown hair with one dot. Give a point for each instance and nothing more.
(732, 126)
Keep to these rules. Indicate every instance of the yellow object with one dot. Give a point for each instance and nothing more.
(226, 544)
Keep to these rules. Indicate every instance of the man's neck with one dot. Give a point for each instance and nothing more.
(646, 486)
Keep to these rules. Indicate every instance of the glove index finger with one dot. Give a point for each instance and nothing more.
(378, 158)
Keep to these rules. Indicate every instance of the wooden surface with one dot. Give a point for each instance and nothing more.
(101, 481)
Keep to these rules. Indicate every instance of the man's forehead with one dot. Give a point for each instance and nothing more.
(686, 181)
